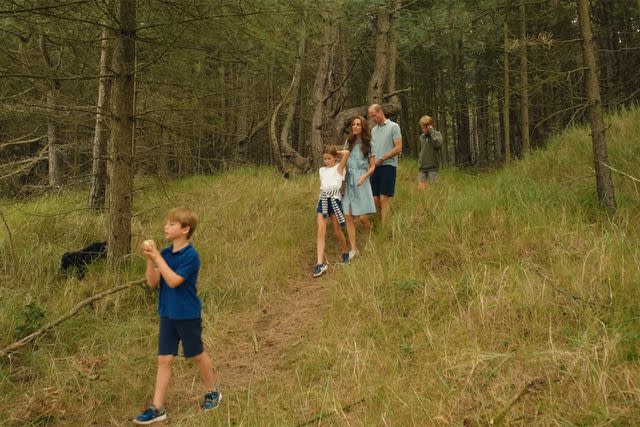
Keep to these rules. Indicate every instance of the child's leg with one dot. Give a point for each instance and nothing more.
(322, 231)
(364, 221)
(339, 234)
(206, 371)
(422, 180)
(351, 231)
(162, 380)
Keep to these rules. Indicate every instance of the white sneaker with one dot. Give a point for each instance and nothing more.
(353, 254)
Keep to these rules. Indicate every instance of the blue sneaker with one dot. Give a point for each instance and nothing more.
(345, 258)
(211, 400)
(151, 415)
(320, 268)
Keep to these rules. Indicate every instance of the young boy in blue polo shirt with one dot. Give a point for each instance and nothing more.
(174, 271)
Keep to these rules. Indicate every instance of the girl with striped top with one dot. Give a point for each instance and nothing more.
(329, 204)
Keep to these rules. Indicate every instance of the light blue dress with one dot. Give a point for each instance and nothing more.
(358, 200)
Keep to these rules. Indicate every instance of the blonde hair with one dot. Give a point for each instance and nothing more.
(426, 121)
(186, 217)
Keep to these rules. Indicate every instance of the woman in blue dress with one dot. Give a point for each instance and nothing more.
(358, 198)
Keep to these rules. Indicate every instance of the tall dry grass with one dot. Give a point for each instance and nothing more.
(504, 297)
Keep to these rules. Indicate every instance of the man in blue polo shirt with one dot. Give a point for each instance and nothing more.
(386, 141)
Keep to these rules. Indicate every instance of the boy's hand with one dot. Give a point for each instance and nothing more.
(149, 249)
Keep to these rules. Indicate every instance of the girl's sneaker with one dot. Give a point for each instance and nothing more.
(211, 400)
(150, 415)
(320, 268)
(353, 254)
(345, 258)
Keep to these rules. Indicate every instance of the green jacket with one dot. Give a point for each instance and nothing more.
(430, 145)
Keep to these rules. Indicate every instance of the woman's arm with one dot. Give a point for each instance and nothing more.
(366, 175)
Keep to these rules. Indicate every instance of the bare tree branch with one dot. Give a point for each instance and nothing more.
(34, 335)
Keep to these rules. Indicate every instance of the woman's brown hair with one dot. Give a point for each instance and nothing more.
(365, 137)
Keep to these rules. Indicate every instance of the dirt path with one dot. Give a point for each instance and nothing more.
(263, 339)
(285, 318)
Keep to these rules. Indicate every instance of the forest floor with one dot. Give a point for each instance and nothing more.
(273, 330)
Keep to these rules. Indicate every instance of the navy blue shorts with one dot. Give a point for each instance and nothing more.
(383, 181)
(172, 331)
(329, 207)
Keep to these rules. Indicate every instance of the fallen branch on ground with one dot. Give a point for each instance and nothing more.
(26, 340)
(538, 270)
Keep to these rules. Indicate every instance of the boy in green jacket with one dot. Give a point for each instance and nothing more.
(429, 160)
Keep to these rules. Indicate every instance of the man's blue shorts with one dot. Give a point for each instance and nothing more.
(172, 331)
(329, 207)
(383, 181)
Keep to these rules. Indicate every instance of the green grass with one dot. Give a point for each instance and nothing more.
(508, 296)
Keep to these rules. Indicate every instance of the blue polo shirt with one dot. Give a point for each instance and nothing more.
(181, 303)
(382, 137)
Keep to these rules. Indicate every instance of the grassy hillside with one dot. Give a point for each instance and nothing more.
(505, 296)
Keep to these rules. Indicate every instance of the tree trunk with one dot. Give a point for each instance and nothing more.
(473, 133)
(54, 151)
(609, 35)
(380, 77)
(53, 143)
(287, 150)
(463, 148)
(393, 51)
(273, 137)
(100, 137)
(122, 171)
(321, 93)
(524, 76)
(163, 149)
(604, 183)
(496, 115)
(242, 116)
(481, 118)
(506, 114)
(295, 90)
(444, 128)
(300, 126)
